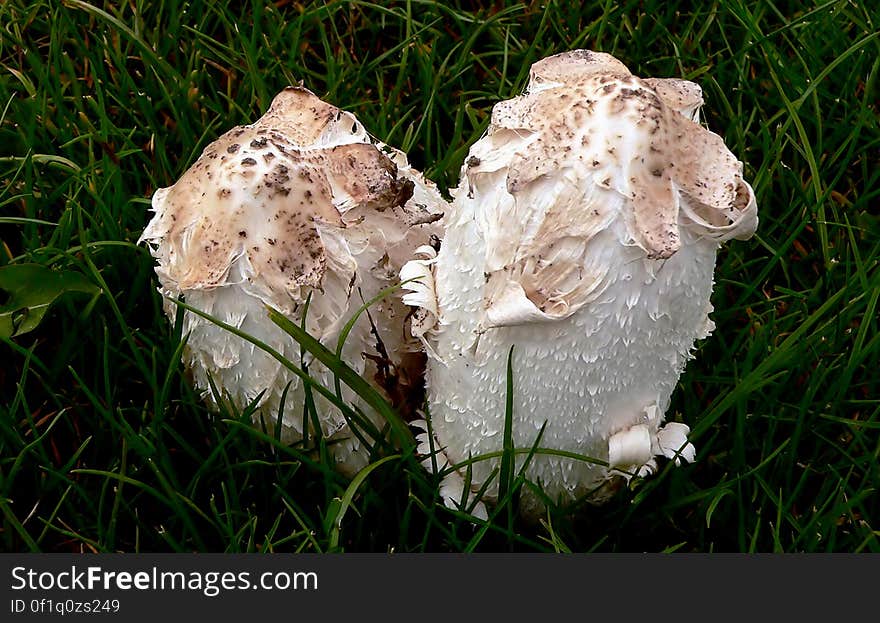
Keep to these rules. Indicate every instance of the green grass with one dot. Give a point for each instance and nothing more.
(105, 447)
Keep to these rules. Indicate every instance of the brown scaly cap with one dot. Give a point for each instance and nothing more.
(263, 192)
(584, 111)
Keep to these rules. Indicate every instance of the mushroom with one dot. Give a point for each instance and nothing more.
(583, 233)
(302, 205)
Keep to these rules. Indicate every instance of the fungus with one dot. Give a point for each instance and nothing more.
(300, 204)
(583, 233)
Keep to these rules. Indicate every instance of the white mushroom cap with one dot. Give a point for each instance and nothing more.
(302, 202)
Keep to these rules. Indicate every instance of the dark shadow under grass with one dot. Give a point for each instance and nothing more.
(105, 447)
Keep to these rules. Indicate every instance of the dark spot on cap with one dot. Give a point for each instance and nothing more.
(248, 162)
(233, 148)
(242, 234)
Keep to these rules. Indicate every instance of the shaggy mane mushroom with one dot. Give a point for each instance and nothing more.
(583, 233)
(300, 205)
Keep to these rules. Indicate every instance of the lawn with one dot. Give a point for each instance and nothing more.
(104, 446)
